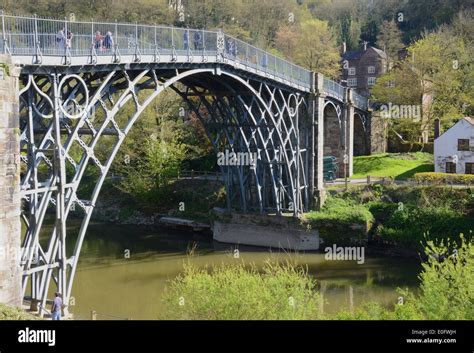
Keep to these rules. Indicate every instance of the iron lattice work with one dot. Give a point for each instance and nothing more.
(66, 115)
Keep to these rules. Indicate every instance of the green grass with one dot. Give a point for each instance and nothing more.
(341, 210)
(396, 165)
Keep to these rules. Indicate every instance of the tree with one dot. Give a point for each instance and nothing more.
(438, 75)
(390, 39)
(311, 45)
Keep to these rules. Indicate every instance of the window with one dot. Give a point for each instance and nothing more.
(351, 82)
(352, 71)
(469, 168)
(391, 84)
(463, 144)
(371, 81)
(450, 167)
(371, 69)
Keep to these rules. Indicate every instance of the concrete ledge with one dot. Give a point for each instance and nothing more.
(266, 231)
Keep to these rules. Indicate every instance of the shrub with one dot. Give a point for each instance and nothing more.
(440, 178)
(341, 210)
(8, 312)
(239, 292)
(446, 290)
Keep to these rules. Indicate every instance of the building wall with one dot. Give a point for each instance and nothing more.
(446, 147)
(10, 227)
(369, 58)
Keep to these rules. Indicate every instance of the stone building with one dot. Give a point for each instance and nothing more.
(361, 68)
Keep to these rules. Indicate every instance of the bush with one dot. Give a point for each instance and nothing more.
(440, 178)
(446, 290)
(341, 210)
(408, 224)
(286, 291)
(8, 312)
(236, 292)
(341, 221)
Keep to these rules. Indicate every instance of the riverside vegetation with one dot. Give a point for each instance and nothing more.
(284, 291)
(401, 217)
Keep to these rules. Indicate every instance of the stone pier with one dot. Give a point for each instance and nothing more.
(10, 204)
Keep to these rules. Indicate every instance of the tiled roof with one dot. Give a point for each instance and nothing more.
(352, 55)
(356, 54)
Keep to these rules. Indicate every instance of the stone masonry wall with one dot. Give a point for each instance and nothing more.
(10, 204)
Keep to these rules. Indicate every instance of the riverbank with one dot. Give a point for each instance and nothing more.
(395, 219)
(392, 220)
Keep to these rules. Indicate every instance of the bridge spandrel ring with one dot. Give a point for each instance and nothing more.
(76, 106)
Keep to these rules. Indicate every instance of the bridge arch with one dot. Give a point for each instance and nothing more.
(361, 134)
(334, 137)
(244, 115)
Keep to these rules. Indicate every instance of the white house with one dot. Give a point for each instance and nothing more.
(454, 150)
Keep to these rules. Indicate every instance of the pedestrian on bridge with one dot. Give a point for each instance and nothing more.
(56, 307)
(108, 41)
(197, 40)
(61, 40)
(186, 39)
(69, 36)
(98, 40)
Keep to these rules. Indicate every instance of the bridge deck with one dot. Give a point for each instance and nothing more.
(37, 42)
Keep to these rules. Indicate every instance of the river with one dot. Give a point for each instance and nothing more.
(123, 271)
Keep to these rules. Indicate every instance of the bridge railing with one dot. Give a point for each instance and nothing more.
(33, 36)
(334, 89)
(360, 101)
(23, 35)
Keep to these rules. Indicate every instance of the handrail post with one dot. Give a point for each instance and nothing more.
(172, 38)
(65, 38)
(35, 38)
(136, 41)
(5, 49)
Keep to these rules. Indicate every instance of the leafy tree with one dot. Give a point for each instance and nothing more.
(312, 45)
(389, 39)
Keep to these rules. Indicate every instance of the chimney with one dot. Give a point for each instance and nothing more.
(437, 128)
(365, 45)
(344, 48)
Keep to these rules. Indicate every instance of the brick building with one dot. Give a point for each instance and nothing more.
(361, 68)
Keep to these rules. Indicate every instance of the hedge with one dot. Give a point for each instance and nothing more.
(434, 177)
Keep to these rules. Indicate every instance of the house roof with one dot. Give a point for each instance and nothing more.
(356, 54)
(352, 55)
(469, 119)
(380, 52)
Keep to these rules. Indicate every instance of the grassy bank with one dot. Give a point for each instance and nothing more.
(8, 312)
(288, 292)
(400, 216)
(396, 165)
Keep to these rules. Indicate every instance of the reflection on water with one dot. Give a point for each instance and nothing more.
(110, 282)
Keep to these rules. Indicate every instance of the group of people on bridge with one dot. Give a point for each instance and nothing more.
(103, 43)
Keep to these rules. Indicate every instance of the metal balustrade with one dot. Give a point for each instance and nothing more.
(333, 89)
(360, 102)
(38, 37)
